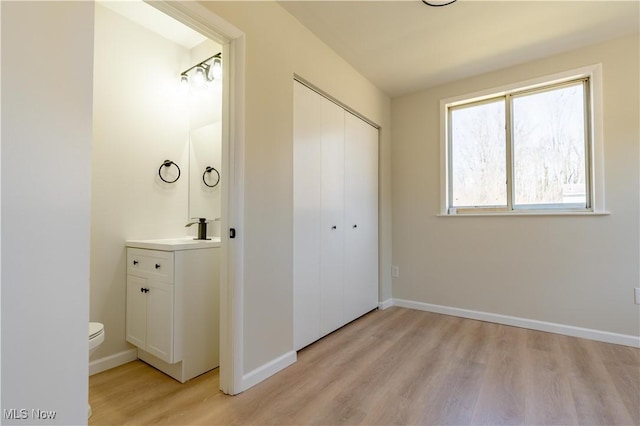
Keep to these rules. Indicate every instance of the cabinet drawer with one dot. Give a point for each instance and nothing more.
(150, 263)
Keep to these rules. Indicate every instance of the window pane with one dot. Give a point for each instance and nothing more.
(549, 148)
(478, 170)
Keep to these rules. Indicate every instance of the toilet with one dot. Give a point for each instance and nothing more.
(96, 337)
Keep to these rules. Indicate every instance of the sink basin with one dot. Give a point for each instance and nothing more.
(174, 244)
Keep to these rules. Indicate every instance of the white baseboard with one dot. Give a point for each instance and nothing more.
(385, 304)
(112, 361)
(567, 330)
(269, 369)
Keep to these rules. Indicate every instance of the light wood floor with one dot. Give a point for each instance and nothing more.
(399, 367)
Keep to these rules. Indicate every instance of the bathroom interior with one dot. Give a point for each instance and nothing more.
(156, 164)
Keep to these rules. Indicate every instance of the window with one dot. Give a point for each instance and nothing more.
(524, 149)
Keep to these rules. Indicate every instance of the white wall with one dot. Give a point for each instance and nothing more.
(140, 119)
(47, 60)
(277, 46)
(577, 271)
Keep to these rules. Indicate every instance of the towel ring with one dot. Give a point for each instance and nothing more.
(168, 163)
(210, 169)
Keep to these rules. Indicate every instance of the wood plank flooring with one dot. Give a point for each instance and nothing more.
(399, 367)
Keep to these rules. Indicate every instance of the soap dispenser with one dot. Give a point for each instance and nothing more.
(202, 228)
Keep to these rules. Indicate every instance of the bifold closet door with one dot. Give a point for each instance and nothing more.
(318, 259)
(335, 216)
(361, 217)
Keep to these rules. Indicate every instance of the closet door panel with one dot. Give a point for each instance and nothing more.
(361, 217)
(332, 217)
(306, 216)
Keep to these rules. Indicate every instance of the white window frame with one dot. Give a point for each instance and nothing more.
(594, 155)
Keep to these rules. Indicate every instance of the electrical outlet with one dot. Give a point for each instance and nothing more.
(637, 294)
(395, 271)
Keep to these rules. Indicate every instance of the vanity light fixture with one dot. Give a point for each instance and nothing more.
(208, 70)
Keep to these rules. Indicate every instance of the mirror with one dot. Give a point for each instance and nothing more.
(205, 149)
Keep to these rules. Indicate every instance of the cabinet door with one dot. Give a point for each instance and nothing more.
(332, 217)
(361, 217)
(136, 311)
(307, 132)
(160, 320)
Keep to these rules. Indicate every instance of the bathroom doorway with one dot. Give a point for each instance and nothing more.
(142, 118)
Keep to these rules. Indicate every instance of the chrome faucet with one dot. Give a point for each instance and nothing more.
(202, 228)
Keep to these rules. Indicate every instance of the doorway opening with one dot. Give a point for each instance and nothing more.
(143, 115)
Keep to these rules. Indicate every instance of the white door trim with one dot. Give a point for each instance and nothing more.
(232, 39)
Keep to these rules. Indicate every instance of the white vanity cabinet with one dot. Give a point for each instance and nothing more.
(150, 303)
(173, 304)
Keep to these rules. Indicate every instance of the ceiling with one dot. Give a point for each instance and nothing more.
(152, 19)
(405, 46)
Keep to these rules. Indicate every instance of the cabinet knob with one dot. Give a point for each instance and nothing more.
(141, 290)
(334, 227)
(157, 266)
(135, 262)
(355, 226)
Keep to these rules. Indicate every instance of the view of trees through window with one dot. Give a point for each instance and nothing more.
(478, 154)
(548, 150)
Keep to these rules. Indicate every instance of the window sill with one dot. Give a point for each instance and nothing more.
(527, 213)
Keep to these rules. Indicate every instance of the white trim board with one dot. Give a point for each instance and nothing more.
(269, 369)
(385, 304)
(567, 330)
(112, 361)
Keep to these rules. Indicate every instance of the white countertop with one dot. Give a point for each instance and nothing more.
(174, 244)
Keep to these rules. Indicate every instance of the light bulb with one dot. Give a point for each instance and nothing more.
(199, 79)
(216, 68)
(210, 76)
(184, 83)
